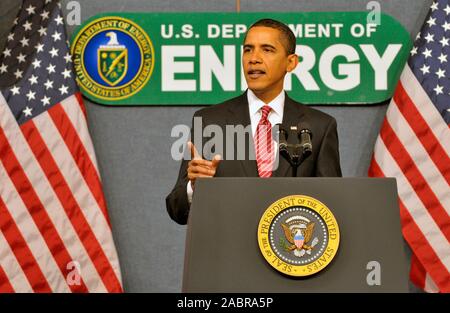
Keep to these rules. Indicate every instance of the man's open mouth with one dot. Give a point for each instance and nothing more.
(255, 73)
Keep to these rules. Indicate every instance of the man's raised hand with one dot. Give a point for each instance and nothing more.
(199, 167)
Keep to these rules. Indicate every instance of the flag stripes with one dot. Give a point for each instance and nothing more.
(21, 251)
(434, 148)
(79, 193)
(5, 285)
(13, 272)
(413, 203)
(31, 222)
(64, 195)
(55, 233)
(415, 179)
(415, 226)
(78, 151)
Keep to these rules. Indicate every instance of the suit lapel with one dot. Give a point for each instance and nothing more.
(293, 111)
(240, 115)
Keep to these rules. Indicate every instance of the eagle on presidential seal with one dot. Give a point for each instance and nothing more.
(298, 231)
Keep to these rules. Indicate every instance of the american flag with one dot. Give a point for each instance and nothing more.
(55, 234)
(414, 146)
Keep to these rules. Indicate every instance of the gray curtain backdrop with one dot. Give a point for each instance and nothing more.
(133, 144)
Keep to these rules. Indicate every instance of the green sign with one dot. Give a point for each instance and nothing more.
(195, 58)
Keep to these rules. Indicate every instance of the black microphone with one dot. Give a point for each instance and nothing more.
(281, 136)
(305, 135)
(294, 153)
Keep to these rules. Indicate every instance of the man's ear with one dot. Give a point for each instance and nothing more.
(292, 62)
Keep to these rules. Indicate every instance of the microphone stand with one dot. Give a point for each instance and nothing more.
(294, 154)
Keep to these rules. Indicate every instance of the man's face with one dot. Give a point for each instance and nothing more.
(266, 61)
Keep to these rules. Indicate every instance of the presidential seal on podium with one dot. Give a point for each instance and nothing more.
(298, 235)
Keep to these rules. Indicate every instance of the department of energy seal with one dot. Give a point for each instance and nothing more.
(298, 235)
(113, 58)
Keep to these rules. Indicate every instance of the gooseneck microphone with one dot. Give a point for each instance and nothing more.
(294, 152)
(305, 136)
(282, 137)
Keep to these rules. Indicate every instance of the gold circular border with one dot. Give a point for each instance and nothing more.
(273, 259)
(80, 33)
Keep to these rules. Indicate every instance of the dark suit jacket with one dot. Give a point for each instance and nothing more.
(324, 161)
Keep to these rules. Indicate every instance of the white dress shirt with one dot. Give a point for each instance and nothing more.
(255, 104)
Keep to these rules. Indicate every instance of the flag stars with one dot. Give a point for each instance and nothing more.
(31, 95)
(36, 63)
(21, 58)
(427, 53)
(54, 52)
(15, 90)
(44, 15)
(446, 26)
(429, 38)
(68, 58)
(42, 31)
(48, 84)
(27, 111)
(24, 42)
(39, 47)
(434, 6)
(7, 52)
(56, 36)
(444, 42)
(431, 21)
(51, 68)
(33, 80)
(11, 37)
(438, 90)
(59, 20)
(442, 58)
(440, 73)
(18, 74)
(425, 69)
(45, 101)
(447, 9)
(30, 10)
(413, 51)
(418, 35)
(27, 25)
(3, 68)
(63, 89)
(66, 73)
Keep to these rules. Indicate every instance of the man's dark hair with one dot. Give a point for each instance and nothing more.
(287, 36)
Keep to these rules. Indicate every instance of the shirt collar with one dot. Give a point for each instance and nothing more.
(255, 104)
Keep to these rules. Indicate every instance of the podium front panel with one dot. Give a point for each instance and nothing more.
(222, 252)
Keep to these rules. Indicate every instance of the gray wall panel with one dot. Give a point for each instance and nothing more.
(133, 144)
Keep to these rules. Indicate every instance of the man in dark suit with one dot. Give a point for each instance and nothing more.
(269, 53)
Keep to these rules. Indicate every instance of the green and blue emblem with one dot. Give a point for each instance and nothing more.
(113, 58)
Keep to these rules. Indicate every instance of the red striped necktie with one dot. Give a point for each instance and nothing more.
(264, 144)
